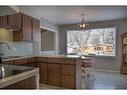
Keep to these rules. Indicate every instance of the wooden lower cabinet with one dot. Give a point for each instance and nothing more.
(53, 74)
(20, 61)
(68, 75)
(29, 83)
(67, 69)
(8, 62)
(123, 69)
(68, 81)
(43, 72)
(29, 64)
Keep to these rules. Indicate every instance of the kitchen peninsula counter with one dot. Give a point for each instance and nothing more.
(44, 56)
(20, 77)
(57, 70)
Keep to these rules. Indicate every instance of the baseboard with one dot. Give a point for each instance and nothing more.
(110, 71)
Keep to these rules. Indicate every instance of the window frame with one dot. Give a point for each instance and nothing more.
(98, 28)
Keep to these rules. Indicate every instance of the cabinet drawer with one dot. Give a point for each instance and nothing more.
(31, 60)
(20, 61)
(41, 59)
(68, 81)
(8, 62)
(67, 61)
(53, 60)
(67, 69)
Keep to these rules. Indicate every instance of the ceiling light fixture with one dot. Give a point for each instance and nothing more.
(83, 26)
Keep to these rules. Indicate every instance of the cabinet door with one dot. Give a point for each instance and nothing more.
(3, 20)
(20, 61)
(36, 35)
(68, 81)
(68, 75)
(29, 64)
(124, 69)
(54, 74)
(26, 28)
(67, 69)
(43, 72)
(15, 20)
(8, 62)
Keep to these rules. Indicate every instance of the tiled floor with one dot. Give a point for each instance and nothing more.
(103, 80)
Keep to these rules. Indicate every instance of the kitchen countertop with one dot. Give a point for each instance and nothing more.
(74, 57)
(61, 56)
(15, 74)
(49, 56)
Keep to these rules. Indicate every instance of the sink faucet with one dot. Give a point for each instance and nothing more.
(1, 55)
(5, 44)
(2, 70)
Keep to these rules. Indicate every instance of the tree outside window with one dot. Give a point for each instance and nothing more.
(95, 41)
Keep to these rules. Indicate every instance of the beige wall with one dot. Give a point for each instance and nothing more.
(47, 41)
(6, 36)
(105, 63)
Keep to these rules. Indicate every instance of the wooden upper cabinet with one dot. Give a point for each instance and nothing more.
(15, 20)
(3, 20)
(36, 35)
(36, 30)
(25, 33)
(26, 28)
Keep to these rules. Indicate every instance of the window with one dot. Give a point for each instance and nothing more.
(95, 41)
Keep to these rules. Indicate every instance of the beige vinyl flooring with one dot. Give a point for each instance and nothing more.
(103, 80)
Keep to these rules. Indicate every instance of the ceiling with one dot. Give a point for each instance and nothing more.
(72, 14)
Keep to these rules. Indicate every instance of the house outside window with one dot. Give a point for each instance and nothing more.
(95, 41)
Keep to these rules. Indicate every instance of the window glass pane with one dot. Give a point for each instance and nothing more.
(95, 41)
